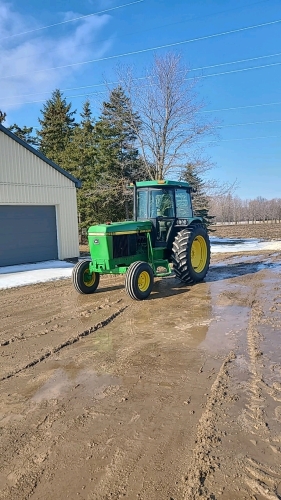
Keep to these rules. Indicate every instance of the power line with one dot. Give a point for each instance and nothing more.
(241, 107)
(71, 20)
(238, 70)
(148, 49)
(236, 62)
(249, 123)
(242, 139)
(203, 76)
(237, 125)
(184, 20)
(145, 77)
(66, 97)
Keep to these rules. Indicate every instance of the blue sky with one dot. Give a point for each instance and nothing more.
(246, 150)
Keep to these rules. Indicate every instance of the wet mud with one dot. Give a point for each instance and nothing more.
(177, 397)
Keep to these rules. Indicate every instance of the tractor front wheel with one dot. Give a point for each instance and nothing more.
(139, 280)
(191, 254)
(84, 281)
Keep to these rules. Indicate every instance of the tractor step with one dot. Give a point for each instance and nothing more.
(164, 264)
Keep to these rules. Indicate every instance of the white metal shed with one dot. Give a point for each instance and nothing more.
(38, 207)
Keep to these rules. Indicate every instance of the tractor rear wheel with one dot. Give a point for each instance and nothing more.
(191, 254)
(84, 281)
(139, 280)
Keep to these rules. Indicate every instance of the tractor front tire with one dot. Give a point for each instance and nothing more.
(191, 254)
(84, 281)
(139, 280)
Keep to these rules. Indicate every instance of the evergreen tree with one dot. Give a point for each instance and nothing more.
(57, 126)
(117, 156)
(200, 201)
(81, 162)
(24, 133)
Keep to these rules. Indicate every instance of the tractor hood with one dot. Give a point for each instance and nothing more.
(127, 227)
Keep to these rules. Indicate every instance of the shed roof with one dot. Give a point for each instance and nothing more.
(40, 155)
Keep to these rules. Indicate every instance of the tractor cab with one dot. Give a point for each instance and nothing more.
(167, 204)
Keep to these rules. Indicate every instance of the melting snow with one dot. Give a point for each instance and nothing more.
(227, 245)
(28, 274)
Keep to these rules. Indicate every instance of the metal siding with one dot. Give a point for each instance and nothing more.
(27, 180)
(27, 234)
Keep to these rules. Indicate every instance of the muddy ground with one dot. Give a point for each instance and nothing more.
(174, 398)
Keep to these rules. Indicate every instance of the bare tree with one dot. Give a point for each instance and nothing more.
(171, 123)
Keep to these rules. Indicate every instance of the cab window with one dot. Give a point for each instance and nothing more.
(161, 203)
(183, 204)
(142, 204)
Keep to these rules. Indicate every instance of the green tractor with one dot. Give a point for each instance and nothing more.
(164, 231)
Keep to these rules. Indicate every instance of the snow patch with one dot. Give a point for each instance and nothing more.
(29, 274)
(233, 245)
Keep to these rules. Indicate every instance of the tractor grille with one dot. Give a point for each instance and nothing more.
(124, 245)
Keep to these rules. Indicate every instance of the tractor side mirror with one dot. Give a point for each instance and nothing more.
(194, 190)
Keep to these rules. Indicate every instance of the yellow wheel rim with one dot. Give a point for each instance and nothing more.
(88, 279)
(199, 254)
(143, 281)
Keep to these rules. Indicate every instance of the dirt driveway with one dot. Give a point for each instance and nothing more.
(174, 398)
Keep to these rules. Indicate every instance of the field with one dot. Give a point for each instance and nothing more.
(267, 231)
(174, 398)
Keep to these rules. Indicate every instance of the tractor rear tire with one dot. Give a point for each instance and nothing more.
(84, 281)
(139, 280)
(191, 254)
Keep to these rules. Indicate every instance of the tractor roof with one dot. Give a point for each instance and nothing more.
(161, 183)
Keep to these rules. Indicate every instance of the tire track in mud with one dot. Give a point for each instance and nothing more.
(253, 418)
(204, 458)
(68, 342)
(261, 479)
(85, 313)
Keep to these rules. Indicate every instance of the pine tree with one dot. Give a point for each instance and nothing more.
(117, 156)
(82, 163)
(200, 201)
(57, 126)
(24, 133)
(117, 115)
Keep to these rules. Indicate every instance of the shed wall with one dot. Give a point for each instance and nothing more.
(26, 179)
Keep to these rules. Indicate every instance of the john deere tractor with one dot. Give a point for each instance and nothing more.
(164, 231)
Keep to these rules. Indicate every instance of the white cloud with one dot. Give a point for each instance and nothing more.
(23, 57)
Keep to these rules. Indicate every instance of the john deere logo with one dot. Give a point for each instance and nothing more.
(96, 241)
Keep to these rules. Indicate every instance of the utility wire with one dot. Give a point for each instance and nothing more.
(237, 124)
(203, 76)
(71, 20)
(145, 77)
(237, 70)
(242, 139)
(184, 20)
(66, 97)
(249, 123)
(236, 62)
(241, 107)
(148, 49)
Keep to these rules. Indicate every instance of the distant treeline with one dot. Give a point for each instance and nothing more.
(232, 209)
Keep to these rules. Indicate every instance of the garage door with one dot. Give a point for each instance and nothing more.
(27, 234)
